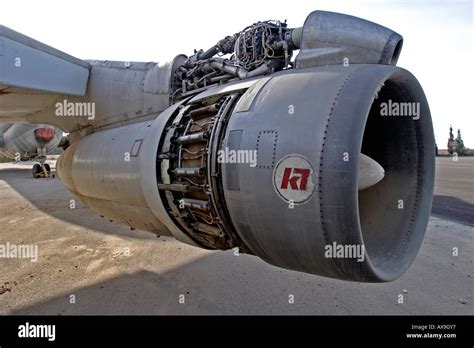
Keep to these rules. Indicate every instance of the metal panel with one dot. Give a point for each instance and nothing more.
(29, 64)
(266, 148)
(225, 89)
(232, 175)
(245, 102)
(334, 38)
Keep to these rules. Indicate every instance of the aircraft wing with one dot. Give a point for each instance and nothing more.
(39, 83)
(33, 75)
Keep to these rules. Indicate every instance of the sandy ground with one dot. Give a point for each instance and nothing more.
(454, 190)
(88, 265)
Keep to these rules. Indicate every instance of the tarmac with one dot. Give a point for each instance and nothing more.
(88, 265)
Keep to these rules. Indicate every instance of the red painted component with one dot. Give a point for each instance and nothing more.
(293, 180)
(44, 135)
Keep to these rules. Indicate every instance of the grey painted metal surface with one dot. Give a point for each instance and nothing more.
(17, 103)
(124, 187)
(335, 117)
(334, 38)
(114, 187)
(29, 64)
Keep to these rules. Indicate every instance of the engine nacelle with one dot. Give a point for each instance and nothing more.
(271, 166)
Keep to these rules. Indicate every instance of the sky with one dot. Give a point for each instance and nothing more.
(437, 49)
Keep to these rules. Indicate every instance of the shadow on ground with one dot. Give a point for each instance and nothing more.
(50, 196)
(454, 209)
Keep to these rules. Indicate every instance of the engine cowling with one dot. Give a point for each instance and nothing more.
(336, 117)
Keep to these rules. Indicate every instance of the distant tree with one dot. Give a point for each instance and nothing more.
(456, 145)
(451, 142)
(460, 143)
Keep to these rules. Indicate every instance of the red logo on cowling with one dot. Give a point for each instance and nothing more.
(293, 179)
(300, 175)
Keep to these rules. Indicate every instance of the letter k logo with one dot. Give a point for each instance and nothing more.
(299, 175)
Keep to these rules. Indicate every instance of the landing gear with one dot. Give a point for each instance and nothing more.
(42, 170)
(37, 171)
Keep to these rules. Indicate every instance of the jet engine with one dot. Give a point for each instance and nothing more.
(323, 164)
